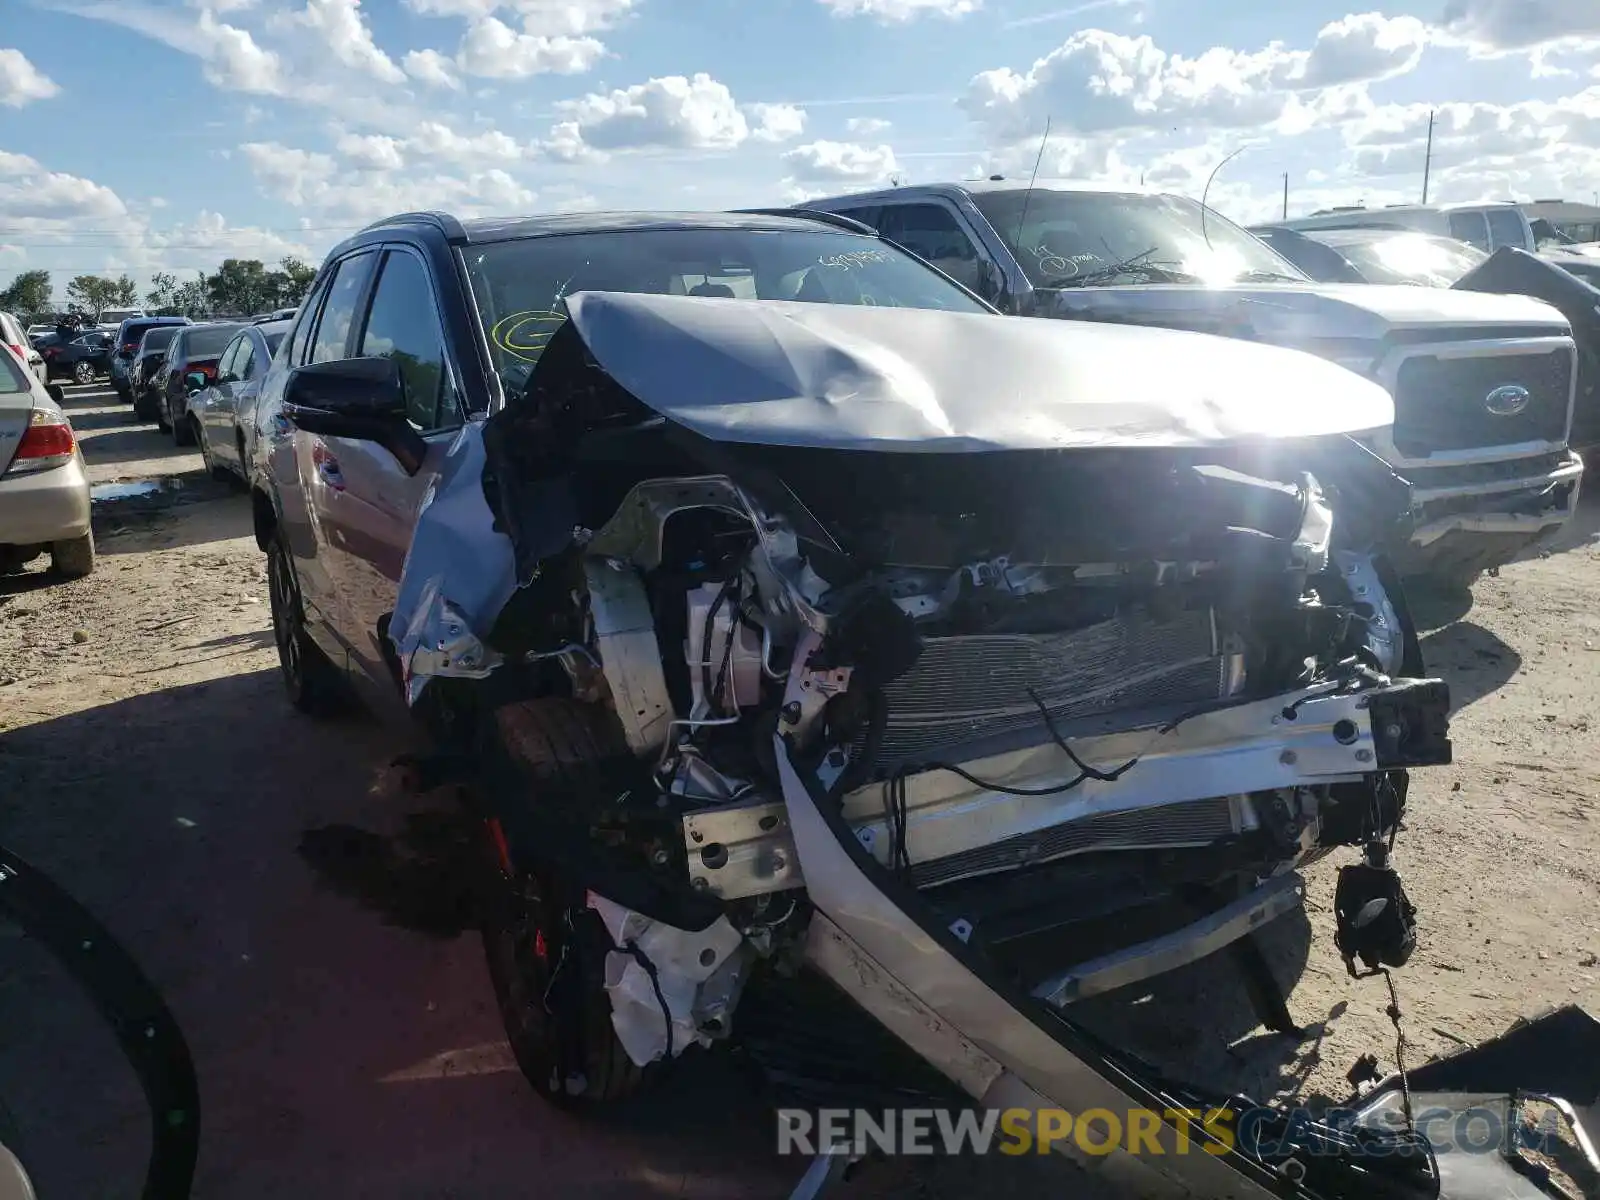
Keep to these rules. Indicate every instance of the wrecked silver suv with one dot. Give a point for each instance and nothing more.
(808, 660)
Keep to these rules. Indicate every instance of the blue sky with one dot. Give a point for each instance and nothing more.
(143, 135)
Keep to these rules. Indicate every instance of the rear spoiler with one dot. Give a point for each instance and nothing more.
(837, 220)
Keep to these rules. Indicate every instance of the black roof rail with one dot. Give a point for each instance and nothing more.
(837, 220)
(442, 221)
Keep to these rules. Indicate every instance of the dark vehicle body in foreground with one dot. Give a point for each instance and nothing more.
(789, 620)
(1483, 385)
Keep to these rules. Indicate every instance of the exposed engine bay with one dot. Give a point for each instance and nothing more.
(973, 735)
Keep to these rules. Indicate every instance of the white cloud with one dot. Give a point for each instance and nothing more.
(373, 152)
(494, 50)
(34, 198)
(550, 17)
(1097, 80)
(312, 181)
(430, 67)
(673, 112)
(866, 126)
(433, 140)
(1518, 24)
(291, 175)
(899, 11)
(234, 61)
(1076, 10)
(1361, 48)
(840, 162)
(21, 82)
(340, 26)
(776, 122)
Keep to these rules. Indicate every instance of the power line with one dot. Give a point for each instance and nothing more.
(19, 230)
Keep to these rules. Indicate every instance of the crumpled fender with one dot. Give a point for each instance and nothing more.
(458, 574)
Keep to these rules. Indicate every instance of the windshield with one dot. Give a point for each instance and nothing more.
(158, 338)
(12, 380)
(208, 341)
(1058, 237)
(1412, 258)
(519, 285)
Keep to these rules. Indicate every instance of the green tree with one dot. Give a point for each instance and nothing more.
(124, 292)
(299, 276)
(191, 300)
(89, 294)
(29, 294)
(162, 298)
(242, 286)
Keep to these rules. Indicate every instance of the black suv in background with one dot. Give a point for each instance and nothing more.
(192, 351)
(129, 334)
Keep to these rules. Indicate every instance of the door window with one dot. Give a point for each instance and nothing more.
(931, 232)
(1470, 227)
(403, 325)
(339, 309)
(1505, 228)
(244, 366)
(226, 368)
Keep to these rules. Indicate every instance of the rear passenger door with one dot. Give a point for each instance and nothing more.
(289, 457)
(366, 503)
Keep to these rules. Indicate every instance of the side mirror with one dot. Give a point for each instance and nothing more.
(358, 398)
(194, 381)
(56, 392)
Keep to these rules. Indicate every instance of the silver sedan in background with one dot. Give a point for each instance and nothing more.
(224, 408)
(44, 490)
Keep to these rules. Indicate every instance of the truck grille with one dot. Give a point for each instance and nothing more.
(1441, 403)
(967, 689)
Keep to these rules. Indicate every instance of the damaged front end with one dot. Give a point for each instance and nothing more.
(781, 641)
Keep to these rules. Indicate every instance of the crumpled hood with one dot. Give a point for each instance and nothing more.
(862, 377)
(1291, 314)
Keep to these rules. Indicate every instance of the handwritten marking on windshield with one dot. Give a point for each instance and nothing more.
(853, 258)
(524, 335)
(1062, 266)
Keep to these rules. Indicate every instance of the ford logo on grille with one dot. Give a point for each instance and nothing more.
(1507, 400)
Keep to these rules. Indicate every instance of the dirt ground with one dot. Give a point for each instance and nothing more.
(348, 1048)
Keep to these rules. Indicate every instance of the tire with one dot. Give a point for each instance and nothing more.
(158, 408)
(73, 559)
(544, 947)
(183, 431)
(311, 682)
(141, 409)
(83, 371)
(219, 473)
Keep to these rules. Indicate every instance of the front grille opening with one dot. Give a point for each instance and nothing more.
(1442, 404)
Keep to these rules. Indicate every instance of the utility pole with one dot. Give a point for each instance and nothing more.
(1286, 195)
(1427, 162)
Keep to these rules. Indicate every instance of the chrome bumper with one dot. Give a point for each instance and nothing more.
(1530, 504)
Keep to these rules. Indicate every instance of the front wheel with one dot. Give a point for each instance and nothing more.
(545, 948)
(310, 680)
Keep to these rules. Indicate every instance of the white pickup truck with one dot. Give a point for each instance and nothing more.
(1483, 384)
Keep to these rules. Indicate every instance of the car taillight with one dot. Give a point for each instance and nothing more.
(209, 370)
(48, 442)
(129, 347)
(51, 351)
(20, 352)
